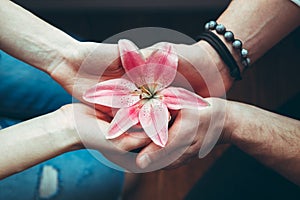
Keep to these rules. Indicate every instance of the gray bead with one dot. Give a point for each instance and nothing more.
(206, 27)
(248, 61)
(237, 44)
(212, 25)
(220, 28)
(229, 36)
(244, 53)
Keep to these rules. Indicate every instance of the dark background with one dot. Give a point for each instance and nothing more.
(98, 19)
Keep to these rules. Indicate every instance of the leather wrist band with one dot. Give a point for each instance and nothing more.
(223, 52)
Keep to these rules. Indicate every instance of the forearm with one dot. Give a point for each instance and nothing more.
(32, 40)
(260, 24)
(34, 141)
(271, 138)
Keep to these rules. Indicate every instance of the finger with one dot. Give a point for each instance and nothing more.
(104, 115)
(148, 155)
(149, 50)
(181, 136)
(105, 109)
(162, 157)
(129, 142)
(152, 153)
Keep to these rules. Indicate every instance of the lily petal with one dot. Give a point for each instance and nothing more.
(123, 120)
(154, 119)
(161, 66)
(115, 93)
(132, 61)
(177, 98)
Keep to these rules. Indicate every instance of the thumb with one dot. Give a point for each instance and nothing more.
(153, 154)
(159, 157)
(154, 157)
(143, 159)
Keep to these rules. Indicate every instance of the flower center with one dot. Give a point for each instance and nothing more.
(149, 91)
(146, 93)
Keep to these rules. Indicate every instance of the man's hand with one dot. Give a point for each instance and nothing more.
(202, 67)
(193, 133)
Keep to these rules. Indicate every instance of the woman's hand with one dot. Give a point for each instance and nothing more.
(85, 65)
(74, 65)
(89, 126)
(72, 127)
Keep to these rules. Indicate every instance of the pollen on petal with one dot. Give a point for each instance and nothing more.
(177, 98)
(124, 119)
(154, 118)
(162, 66)
(116, 93)
(132, 61)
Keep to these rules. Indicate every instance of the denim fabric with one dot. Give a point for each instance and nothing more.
(26, 92)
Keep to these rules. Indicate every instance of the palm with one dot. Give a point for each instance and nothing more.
(203, 69)
(91, 125)
(192, 133)
(95, 62)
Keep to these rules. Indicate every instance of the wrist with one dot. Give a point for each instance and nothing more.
(232, 50)
(242, 124)
(238, 122)
(63, 130)
(229, 124)
(66, 55)
(222, 69)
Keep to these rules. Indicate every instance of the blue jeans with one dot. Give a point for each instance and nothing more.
(26, 92)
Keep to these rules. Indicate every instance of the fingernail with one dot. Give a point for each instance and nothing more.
(144, 161)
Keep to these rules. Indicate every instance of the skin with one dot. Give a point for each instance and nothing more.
(259, 32)
(275, 141)
(76, 66)
(59, 55)
(271, 138)
(53, 51)
(70, 128)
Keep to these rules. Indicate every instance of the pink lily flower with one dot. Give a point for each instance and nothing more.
(144, 96)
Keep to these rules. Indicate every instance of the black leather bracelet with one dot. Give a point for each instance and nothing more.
(223, 52)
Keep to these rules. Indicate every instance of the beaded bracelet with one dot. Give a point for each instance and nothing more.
(229, 37)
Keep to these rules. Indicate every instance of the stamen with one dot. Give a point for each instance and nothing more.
(158, 96)
(145, 92)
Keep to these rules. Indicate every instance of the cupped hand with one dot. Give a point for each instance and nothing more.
(87, 64)
(89, 126)
(202, 67)
(193, 133)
